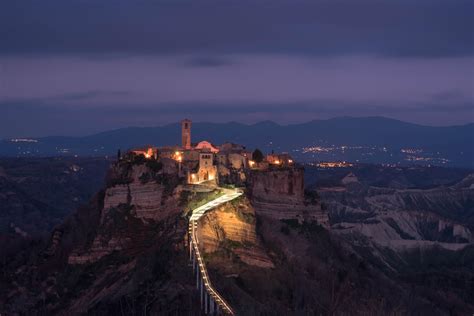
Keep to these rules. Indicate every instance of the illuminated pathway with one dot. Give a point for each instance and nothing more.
(228, 196)
(211, 301)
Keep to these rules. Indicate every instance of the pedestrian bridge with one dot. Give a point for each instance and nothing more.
(211, 301)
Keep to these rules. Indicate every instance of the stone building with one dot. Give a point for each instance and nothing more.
(147, 151)
(186, 133)
(206, 171)
(205, 145)
(207, 162)
(283, 159)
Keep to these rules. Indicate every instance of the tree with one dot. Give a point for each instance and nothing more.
(119, 155)
(257, 155)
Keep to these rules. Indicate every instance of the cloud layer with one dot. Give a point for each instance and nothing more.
(431, 28)
(106, 64)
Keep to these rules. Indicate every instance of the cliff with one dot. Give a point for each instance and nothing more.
(125, 253)
(231, 228)
(137, 195)
(405, 218)
(122, 253)
(279, 193)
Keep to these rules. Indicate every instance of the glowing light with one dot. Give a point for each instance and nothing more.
(177, 156)
(251, 163)
(277, 162)
(290, 161)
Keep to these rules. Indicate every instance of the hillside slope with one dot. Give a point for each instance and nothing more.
(126, 253)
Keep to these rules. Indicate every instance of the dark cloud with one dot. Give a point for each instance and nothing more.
(208, 61)
(86, 95)
(82, 66)
(431, 28)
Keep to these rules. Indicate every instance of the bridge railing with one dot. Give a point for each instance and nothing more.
(216, 304)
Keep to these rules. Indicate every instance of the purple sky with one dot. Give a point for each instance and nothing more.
(84, 66)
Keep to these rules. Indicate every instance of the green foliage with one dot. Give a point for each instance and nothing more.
(306, 227)
(227, 186)
(184, 197)
(231, 244)
(235, 202)
(292, 223)
(311, 227)
(312, 196)
(245, 217)
(154, 165)
(350, 217)
(138, 160)
(193, 200)
(257, 155)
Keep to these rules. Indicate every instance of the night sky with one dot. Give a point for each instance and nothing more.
(79, 67)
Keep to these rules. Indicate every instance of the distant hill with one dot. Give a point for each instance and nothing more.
(370, 139)
(38, 193)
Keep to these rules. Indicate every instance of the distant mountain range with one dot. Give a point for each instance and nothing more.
(370, 139)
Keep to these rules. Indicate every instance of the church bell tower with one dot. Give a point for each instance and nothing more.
(186, 134)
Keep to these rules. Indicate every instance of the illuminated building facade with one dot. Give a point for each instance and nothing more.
(206, 162)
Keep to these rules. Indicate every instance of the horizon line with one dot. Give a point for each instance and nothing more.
(245, 124)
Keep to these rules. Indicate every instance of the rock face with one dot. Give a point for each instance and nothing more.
(114, 196)
(147, 200)
(405, 218)
(232, 227)
(142, 199)
(232, 171)
(283, 185)
(121, 254)
(280, 194)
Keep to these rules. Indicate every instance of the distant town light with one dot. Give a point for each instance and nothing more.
(23, 140)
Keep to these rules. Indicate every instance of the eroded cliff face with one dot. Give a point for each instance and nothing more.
(405, 218)
(317, 272)
(123, 253)
(137, 196)
(283, 185)
(231, 228)
(279, 194)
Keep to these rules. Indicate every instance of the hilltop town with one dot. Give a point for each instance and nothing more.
(204, 162)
